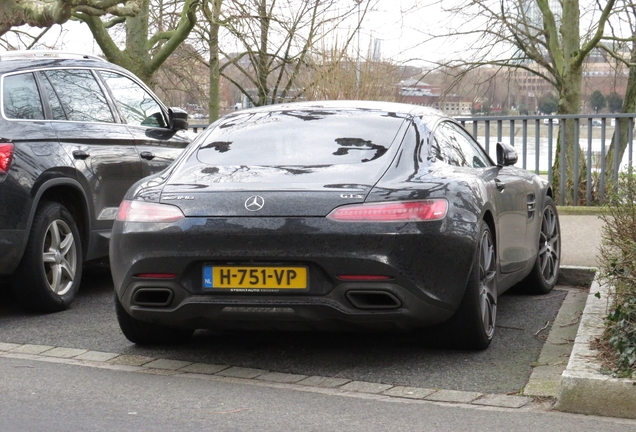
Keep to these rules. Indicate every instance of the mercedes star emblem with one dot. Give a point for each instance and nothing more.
(254, 203)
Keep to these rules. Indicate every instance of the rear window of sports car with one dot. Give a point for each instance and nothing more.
(307, 138)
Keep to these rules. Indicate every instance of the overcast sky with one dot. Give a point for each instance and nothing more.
(392, 22)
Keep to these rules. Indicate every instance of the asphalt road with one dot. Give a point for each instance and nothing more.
(40, 396)
(391, 358)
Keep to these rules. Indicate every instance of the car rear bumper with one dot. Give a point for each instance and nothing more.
(373, 306)
(427, 263)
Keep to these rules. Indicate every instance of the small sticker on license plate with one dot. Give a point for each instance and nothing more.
(254, 278)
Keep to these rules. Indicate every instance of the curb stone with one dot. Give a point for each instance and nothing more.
(32, 349)
(576, 276)
(584, 390)
(140, 364)
(508, 401)
(281, 377)
(454, 396)
(64, 352)
(326, 382)
(545, 379)
(241, 372)
(409, 392)
(366, 387)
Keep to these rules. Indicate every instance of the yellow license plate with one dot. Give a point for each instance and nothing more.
(248, 277)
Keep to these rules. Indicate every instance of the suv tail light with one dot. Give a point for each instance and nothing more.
(6, 157)
(395, 211)
(139, 211)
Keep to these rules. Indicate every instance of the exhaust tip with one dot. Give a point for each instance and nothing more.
(153, 297)
(372, 299)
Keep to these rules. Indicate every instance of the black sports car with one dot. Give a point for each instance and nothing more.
(331, 215)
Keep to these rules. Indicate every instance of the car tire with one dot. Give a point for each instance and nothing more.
(545, 272)
(49, 274)
(473, 325)
(145, 333)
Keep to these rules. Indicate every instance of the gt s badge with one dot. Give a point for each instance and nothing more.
(351, 196)
(177, 197)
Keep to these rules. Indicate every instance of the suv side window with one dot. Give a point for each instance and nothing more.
(57, 111)
(21, 99)
(135, 104)
(80, 95)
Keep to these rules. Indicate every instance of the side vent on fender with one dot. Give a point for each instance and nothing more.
(532, 206)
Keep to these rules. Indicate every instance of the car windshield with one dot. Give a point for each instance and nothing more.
(300, 137)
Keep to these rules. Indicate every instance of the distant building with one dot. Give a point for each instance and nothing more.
(420, 93)
(600, 72)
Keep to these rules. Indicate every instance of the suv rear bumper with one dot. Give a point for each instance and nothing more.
(11, 248)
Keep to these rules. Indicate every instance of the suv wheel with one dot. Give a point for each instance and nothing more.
(49, 274)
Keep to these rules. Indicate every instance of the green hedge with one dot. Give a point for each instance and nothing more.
(618, 267)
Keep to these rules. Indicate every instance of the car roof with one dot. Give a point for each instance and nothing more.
(14, 61)
(344, 105)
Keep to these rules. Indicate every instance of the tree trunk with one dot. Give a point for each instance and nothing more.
(569, 78)
(215, 74)
(262, 69)
(623, 124)
(569, 102)
(142, 56)
(137, 43)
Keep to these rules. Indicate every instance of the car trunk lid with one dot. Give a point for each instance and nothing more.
(268, 191)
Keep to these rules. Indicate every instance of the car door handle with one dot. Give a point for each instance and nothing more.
(80, 154)
(147, 155)
(500, 185)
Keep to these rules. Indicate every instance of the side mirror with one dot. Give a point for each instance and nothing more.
(506, 155)
(178, 119)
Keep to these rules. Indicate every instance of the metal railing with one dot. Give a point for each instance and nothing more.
(196, 128)
(535, 139)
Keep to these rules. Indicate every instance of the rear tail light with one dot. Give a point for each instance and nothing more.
(139, 211)
(6, 156)
(395, 211)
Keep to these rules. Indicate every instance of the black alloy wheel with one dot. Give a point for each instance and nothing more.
(545, 273)
(473, 325)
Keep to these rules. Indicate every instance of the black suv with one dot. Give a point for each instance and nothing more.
(75, 133)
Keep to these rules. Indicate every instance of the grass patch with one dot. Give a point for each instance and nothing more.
(580, 210)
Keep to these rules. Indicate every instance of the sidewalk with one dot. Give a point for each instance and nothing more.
(581, 238)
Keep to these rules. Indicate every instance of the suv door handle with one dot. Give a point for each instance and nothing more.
(80, 154)
(500, 185)
(147, 155)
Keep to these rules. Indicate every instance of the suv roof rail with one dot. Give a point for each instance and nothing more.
(25, 54)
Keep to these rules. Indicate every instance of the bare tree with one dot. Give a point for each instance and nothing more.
(143, 53)
(208, 31)
(618, 44)
(182, 79)
(46, 13)
(542, 37)
(333, 74)
(264, 47)
(276, 39)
